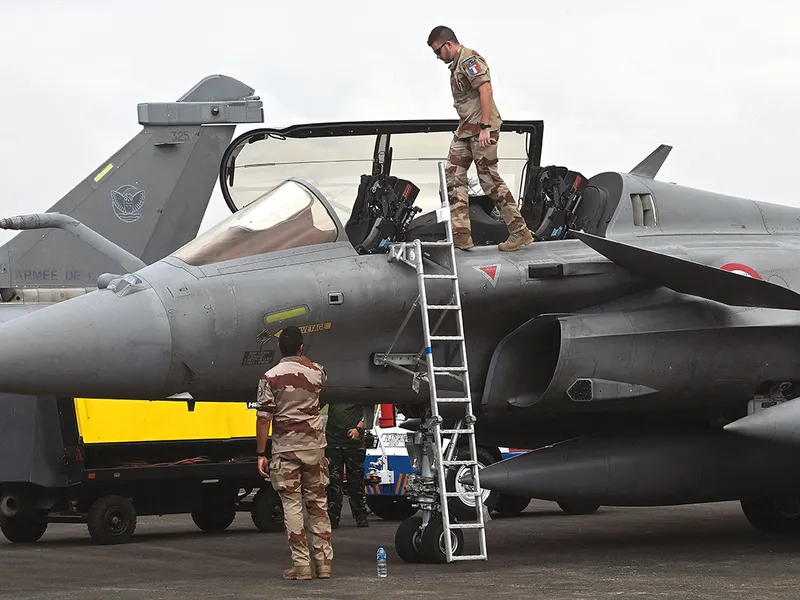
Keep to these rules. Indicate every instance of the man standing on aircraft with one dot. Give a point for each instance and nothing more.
(345, 450)
(288, 397)
(476, 140)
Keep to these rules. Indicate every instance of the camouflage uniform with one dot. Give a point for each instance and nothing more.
(289, 395)
(468, 71)
(346, 454)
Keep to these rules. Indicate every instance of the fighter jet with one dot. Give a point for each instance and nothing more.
(644, 318)
(140, 204)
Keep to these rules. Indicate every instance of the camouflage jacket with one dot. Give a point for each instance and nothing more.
(467, 72)
(289, 395)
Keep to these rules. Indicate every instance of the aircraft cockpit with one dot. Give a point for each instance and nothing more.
(382, 181)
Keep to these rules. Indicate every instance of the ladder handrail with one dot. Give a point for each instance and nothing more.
(411, 253)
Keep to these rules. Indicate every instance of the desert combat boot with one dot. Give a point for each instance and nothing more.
(516, 240)
(302, 573)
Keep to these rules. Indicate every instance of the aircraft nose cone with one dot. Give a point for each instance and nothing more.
(89, 346)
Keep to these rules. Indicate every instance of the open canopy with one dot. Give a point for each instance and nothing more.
(333, 156)
(295, 187)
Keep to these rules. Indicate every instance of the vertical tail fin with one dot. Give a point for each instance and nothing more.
(149, 197)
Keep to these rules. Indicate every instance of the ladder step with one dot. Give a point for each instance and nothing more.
(444, 306)
(459, 462)
(454, 400)
(457, 495)
(436, 276)
(447, 338)
(434, 243)
(470, 557)
(448, 369)
(457, 431)
(466, 525)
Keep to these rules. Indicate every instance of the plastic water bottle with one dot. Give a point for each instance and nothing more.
(383, 569)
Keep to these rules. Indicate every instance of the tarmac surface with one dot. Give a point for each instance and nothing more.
(696, 551)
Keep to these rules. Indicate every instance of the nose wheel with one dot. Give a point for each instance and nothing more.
(416, 543)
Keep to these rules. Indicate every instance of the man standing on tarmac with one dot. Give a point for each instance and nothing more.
(345, 450)
(476, 140)
(288, 397)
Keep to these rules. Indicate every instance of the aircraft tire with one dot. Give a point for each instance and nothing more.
(511, 506)
(433, 541)
(578, 508)
(111, 520)
(391, 508)
(772, 516)
(22, 530)
(464, 508)
(408, 540)
(267, 510)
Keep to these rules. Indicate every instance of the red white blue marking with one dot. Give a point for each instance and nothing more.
(741, 269)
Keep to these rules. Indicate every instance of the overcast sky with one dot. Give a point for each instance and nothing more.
(612, 79)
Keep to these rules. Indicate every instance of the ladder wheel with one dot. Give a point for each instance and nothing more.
(433, 541)
(408, 540)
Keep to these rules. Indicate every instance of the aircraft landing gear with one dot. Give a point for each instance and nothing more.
(421, 538)
(773, 516)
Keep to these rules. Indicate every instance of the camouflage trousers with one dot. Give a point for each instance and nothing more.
(463, 151)
(351, 459)
(300, 478)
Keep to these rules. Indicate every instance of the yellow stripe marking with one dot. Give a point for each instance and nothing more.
(286, 314)
(104, 172)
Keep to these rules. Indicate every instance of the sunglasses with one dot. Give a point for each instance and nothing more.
(438, 51)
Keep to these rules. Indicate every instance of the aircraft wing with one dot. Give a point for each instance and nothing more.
(692, 278)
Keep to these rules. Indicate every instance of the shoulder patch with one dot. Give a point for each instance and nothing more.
(471, 65)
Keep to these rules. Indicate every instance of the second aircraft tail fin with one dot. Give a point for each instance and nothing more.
(149, 197)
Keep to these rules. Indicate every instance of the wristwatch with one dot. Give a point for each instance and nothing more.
(485, 126)
(261, 453)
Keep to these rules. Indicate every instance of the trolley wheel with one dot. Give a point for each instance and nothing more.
(578, 507)
(267, 510)
(433, 541)
(408, 540)
(391, 508)
(111, 520)
(511, 506)
(22, 530)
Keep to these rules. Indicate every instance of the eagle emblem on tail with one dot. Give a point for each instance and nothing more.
(127, 202)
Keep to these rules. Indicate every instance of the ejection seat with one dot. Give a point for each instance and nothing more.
(553, 195)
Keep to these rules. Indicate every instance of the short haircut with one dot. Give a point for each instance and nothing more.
(290, 340)
(442, 34)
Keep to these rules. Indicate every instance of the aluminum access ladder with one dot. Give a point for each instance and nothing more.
(413, 254)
